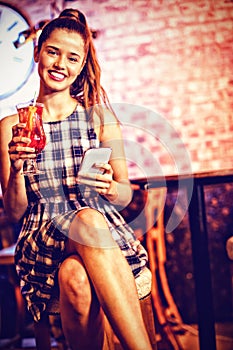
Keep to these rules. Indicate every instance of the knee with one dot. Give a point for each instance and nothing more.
(73, 280)
(90, 228)
(92, 219)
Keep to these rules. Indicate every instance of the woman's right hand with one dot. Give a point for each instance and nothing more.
(18, 149)
(11, 164)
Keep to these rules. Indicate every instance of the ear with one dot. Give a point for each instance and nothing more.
(36, 54)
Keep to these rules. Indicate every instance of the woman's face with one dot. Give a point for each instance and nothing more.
(60, 59)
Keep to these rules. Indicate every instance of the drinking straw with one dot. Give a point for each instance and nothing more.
(34, 98)
(31, 111)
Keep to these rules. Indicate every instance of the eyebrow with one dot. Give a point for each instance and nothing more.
(57, 49)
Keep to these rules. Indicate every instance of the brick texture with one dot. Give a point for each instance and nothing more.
(168, 68)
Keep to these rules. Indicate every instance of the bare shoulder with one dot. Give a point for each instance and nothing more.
(6, 125)
(9, 121)
(112, 128)
(108, 116)
(109, 122)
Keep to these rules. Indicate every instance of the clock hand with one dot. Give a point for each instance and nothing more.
(12, 26)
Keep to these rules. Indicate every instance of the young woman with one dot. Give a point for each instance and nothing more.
(73, 238)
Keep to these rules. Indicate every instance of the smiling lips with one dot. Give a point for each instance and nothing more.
(56, 75)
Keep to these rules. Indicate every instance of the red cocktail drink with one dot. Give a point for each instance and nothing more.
(31, 116)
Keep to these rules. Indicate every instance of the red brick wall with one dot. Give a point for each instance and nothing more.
(168, 68)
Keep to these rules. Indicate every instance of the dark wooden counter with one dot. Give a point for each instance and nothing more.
(194, 185)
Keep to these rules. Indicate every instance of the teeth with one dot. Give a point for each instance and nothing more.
(57, 75)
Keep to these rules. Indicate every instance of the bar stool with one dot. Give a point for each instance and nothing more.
(51, 320)
(7, 260)
(163, 301)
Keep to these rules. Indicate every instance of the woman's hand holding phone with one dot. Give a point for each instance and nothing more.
(95, 171)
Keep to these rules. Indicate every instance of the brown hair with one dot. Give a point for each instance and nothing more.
(86, 88)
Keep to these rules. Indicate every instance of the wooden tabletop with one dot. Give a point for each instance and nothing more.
(7, 255)
(205, 177)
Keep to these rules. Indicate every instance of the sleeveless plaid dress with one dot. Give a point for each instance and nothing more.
(54, 198)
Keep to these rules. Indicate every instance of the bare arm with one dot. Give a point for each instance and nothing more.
(12, 181)
(120, 191)
(114, 184)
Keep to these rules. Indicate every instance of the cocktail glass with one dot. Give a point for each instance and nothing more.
(30, 114)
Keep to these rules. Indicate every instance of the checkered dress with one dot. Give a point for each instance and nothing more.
(54, 199)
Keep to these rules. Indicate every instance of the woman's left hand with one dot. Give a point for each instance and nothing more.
(101, 182)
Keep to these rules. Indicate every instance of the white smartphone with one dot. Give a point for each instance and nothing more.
(94, 156)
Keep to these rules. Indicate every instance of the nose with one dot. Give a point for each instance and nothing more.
(60, 62)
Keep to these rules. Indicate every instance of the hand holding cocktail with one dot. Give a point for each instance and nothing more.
(30, 117)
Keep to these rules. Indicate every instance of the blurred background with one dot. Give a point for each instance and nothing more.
(171, 57)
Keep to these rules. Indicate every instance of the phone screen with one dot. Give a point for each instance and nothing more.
(94, 156)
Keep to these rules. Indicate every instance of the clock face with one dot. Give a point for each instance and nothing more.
(16, 63)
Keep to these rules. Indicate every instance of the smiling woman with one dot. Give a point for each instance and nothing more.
(61, 58)
(73, 241)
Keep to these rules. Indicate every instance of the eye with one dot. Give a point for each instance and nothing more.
(73, 59)
(52, 52)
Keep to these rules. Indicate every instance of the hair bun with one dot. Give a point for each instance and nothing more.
(74, 14)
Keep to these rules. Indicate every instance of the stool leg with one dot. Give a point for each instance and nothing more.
(42, 333)
(148, 317)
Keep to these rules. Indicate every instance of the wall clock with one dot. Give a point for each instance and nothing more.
(16, 62)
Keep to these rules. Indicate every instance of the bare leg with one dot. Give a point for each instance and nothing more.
(111, 277)
(81, 315)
